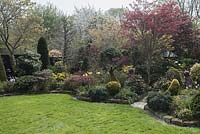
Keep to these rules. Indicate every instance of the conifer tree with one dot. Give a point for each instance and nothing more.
(42, 49)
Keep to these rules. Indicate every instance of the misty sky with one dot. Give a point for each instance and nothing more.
(68, 5)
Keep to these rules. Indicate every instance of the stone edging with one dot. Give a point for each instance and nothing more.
(84, 98)
(116, 101)
(172, 120)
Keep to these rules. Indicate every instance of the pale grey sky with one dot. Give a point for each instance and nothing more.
(68, 5)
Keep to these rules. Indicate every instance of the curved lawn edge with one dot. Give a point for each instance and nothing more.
(60, 113)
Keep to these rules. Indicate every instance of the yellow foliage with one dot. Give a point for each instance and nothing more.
(113, 87)
(60, 76)
(174, 87)
(126, 69)
(195, 72)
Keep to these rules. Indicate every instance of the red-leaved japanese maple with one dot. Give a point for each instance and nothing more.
(152, 26)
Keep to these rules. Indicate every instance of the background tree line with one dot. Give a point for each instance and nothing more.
(82, 37)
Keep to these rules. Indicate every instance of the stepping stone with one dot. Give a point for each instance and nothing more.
(139, 105)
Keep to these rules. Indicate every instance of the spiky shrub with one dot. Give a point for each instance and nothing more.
(195, 73)
(2, 71)
(174, 87)
(113, 87)
(42, 49)
(196, 106)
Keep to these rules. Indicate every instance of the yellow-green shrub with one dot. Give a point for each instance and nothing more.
(126, 69)
(113, 87)
(174, 87)
(185, 114)
(60, 76)
(195, 73)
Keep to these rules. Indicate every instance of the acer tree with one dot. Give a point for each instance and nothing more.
(152, 27)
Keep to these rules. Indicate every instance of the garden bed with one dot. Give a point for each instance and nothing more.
(172, 120)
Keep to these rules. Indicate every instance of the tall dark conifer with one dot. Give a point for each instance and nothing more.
(42, 49)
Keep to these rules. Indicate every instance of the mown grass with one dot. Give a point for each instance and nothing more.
(60, 114)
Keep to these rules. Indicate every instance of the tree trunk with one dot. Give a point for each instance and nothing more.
(13, 63)
(112, 75)
(148, 67)
(3, 76)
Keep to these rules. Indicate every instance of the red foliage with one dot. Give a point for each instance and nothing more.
(76, 81)
(159, 20)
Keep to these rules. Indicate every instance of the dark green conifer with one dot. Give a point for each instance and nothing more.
(42, 49)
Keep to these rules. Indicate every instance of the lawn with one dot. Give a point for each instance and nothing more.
(61, 114)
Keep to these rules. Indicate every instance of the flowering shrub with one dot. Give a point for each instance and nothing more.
(127, 69)
(55, 53)
(60, 76)
(95, 75)
(98, 73)
(76, 81)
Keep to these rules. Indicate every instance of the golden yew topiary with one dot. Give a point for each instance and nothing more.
(174, 87)
(195, 73)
